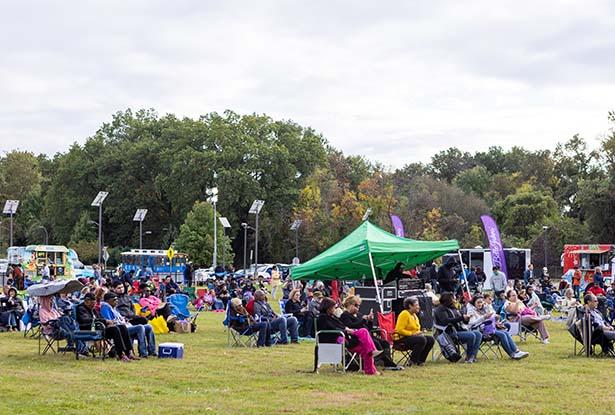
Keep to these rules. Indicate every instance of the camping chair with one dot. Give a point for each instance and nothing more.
(179, 307)
(31, 322)
(335, 354)
(437, 354)
(525, 331)
(50, 338)
(490, 347)
(236, 338)
(87, 340)
(400, 353)
(582, 331)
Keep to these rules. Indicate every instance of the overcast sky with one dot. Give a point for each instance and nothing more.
(394, 81)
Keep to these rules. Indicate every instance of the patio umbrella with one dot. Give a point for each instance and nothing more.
(54, 287)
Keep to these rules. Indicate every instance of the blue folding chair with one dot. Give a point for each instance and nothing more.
(179, 307)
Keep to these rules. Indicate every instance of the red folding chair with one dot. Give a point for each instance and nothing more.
(386, 322)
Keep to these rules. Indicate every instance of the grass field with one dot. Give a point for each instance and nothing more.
(215, 379)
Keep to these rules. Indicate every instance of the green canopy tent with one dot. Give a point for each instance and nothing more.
(367, 249)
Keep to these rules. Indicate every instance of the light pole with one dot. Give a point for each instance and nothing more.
(225, 224)
(255, 209)
(10, 208)
(295, 227)
(213, 198)
(139, 217)
(544, 241)
(245, 227)
(98, 202)
(366, 215)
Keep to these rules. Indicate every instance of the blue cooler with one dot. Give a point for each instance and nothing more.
(171, 350)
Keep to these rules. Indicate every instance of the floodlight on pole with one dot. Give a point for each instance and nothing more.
(366, 215)
(255, 209)
(213, 198)
(10, 208)
(295, 227)
(139, 217)
(98, 202)
(225, 224)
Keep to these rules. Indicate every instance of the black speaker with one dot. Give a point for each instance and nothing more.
(426, 313)
(368, 305)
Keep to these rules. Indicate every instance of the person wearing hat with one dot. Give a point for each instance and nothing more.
(89, 319)
(242, 322)
(143, 333)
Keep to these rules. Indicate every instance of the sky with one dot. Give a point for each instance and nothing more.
(394, 81)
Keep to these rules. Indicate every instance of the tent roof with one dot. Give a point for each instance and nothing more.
(349, 258)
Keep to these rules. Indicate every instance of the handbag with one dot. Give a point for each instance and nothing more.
(159, 325)
(449, 349)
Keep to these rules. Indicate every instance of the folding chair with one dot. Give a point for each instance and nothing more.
(386, 324)
(583, 332)
(236, 338)
(525, 331)
(88, 340)
(490, 346)
(437, 354)
(335, 354)
(49, 339)
(31, 322)
(179, 307)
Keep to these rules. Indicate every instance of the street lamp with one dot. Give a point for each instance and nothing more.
(213, 198)
(255, 209)
(544, 241)
(139, 216)
(225, 224)
(98, 202)
(295, 227)
(245, 227)
(10, 208)
(366, 215)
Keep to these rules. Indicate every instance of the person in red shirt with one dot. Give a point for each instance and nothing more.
(595, 290)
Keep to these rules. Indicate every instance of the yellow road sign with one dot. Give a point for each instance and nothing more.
(170, 253)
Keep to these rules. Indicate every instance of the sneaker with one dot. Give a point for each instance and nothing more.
(393, 368)
(523, 355)
(545, 341)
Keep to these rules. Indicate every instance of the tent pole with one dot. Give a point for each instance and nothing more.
(371, 263)
(465, 276)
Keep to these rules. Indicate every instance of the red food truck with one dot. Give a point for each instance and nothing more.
(587, 258)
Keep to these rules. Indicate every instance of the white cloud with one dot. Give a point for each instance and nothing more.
(396, 83)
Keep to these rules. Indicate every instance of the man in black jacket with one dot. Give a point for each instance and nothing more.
(446, 276)
(125, 306)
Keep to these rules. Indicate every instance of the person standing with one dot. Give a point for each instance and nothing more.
(188, 274)
(498, 280)
(576, 282)
(275, 281)
(598, 278)
(528, 274)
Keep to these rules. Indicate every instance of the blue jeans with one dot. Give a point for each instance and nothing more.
(285, 326)
(144, 334)
(506, 341)
(472, 341)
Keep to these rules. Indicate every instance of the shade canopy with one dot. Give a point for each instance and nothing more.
(349, 258)
(54, 287)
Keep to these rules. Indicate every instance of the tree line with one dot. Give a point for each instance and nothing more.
(166, 164)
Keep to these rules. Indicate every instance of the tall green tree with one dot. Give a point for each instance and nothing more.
(196, 237)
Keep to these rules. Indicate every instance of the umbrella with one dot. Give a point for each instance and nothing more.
(54, 287)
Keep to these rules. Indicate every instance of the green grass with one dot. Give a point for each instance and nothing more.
(215, 379)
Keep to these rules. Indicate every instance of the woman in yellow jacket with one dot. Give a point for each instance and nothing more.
(408, 332)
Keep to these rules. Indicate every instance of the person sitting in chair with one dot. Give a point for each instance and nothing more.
(242, 322)
(605, 332)
(125, 305)
(447, 315)
(518, 311)
(408, 331)
(356, 340)
(354, 319)
(481, 315)
(143, 333)
(300, 311)
(276, 323)
(88, 318)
